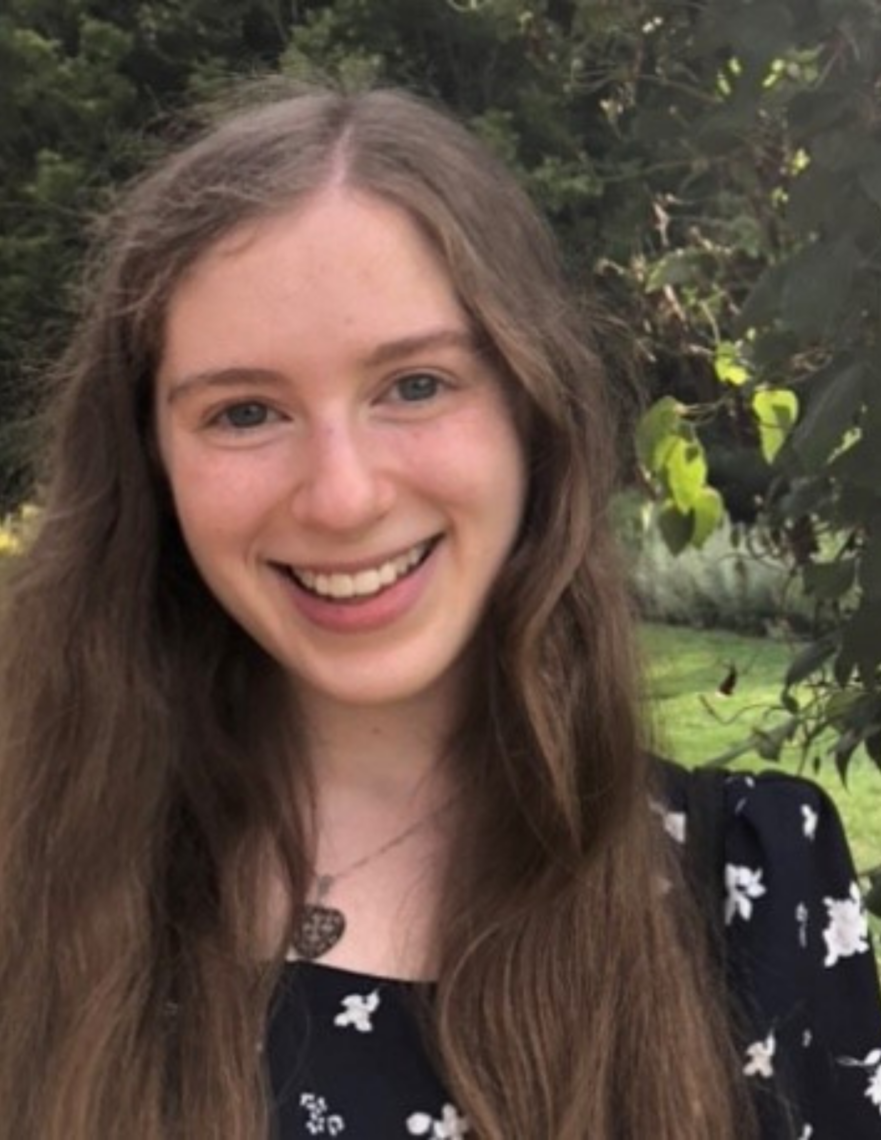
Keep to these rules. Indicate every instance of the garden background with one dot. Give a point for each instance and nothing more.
(713, 170)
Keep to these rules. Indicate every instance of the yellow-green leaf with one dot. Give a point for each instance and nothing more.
(729, 365)
(776, 410)
(708, 511)
(656, 430)
(685, 473)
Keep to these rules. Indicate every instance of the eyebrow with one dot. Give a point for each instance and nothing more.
(420, 342)
(222, 378)
(386, 353)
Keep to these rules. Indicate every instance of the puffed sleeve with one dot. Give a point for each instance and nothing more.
(800, 961)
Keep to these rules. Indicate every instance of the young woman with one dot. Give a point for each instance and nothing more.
(324, 809)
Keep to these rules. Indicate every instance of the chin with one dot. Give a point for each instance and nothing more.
(379, 687)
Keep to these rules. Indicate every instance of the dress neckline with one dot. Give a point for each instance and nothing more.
(345, 975)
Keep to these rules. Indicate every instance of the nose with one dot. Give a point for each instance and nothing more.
(342, 486)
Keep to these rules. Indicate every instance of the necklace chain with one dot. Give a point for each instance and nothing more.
(319, 927)
(325, 882)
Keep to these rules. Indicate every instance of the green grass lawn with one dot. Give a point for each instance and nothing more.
(686, 667)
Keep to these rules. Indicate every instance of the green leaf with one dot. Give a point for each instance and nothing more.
(763, 303)
(767, 746)
(816, 287)
(810, 659)
(676, 528)
(773, 349)
(843, 751)
(768, 742)
(835, 399)
(776, 410)
(840, 705)
(790, 703)
(656, 429)
(860, 465)
(707, 510)
(685, 472)
(829, 581)
(813, 196)
(861, 645)
(729, 365)
(870, 566)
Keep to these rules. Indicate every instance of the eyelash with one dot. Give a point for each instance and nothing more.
(438, 382)
(222, 418)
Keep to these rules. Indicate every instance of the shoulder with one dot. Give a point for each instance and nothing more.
(780, 840)
(797, 944)
(779, 812)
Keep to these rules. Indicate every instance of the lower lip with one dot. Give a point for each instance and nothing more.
(367, 614)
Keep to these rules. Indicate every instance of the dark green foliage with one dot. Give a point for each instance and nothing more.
(767, 269)
(83, 89)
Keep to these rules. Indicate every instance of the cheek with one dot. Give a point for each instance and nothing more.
(216, 499)
(491, 463)
(478, 448)
(476, 469)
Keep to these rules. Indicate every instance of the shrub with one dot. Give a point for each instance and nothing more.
(729, 583)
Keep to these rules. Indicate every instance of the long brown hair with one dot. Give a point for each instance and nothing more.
(145, 748)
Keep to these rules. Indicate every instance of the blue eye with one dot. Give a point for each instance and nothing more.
(248, 414)
(419, 386)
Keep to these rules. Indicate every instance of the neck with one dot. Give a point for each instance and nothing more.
(393, 754)
(383, 816)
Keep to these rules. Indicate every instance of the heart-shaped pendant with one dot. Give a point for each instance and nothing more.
(319, 930)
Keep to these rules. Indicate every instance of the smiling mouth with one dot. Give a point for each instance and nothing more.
(362, 584)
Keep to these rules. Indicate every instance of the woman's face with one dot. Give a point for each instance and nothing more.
(343, 460)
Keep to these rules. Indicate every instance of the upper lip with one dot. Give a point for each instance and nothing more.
(361, 564)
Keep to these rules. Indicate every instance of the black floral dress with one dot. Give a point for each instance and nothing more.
(345, 1053)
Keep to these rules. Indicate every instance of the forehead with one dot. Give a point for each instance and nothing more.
(341, 268)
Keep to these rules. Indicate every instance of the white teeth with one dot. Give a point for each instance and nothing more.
(342, 585)
(366, 582)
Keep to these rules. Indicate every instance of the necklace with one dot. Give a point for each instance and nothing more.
(320, 927)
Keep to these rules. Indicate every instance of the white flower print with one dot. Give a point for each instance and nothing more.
(848, 929)
(872, 1062)
(358, 1011)
(806, 1038)
(319, 1121)
(674, 825)
(760, 1057)
(673, 822)
(807, 1132)
(809, 819)
(801, 917)
(742, 885)
(450, 1125)
(873, 1089)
